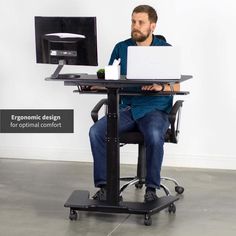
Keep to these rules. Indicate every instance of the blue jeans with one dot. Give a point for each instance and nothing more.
(153, 127)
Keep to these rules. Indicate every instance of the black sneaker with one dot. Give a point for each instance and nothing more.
(100, 195)
(150, 196)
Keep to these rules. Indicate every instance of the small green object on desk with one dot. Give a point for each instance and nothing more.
(101, 74)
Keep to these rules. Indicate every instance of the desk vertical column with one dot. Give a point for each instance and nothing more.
(113, 147)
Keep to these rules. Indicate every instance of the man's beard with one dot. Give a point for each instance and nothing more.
(140, 37)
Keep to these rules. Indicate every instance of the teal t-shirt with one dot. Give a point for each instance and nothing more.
(140, 105)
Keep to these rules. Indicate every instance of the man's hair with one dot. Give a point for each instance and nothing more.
(152, 15)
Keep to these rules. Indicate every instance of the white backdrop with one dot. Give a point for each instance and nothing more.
(205, 32)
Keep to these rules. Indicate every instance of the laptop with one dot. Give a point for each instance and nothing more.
(153, 62)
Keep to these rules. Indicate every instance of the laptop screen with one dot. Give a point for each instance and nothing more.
(153, 62)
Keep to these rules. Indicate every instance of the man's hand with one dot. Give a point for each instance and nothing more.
(158, 87)
(154, 87)
(94, 87)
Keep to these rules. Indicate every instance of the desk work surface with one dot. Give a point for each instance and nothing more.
(122, 82)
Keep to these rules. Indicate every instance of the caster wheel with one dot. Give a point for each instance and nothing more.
(147, 220)
(73, 215)
(139, 185)
(179, 189)
(172, 208)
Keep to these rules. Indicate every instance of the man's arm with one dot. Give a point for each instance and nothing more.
(158, 87)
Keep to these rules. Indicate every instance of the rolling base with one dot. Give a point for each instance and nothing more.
(79, 200)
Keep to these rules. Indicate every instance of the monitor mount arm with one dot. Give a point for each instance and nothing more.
(57, 75)
(58, 69)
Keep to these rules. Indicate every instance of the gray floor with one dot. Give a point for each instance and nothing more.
(32, 195)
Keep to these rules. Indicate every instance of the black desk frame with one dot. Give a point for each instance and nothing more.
(79, 199)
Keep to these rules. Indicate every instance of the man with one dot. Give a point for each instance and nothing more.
(147, 113)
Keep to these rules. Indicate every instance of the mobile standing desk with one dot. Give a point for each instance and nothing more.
(79, 199)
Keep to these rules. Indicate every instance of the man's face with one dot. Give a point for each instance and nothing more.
(141, 27)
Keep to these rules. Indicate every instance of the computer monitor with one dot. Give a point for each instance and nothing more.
(66, 40)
